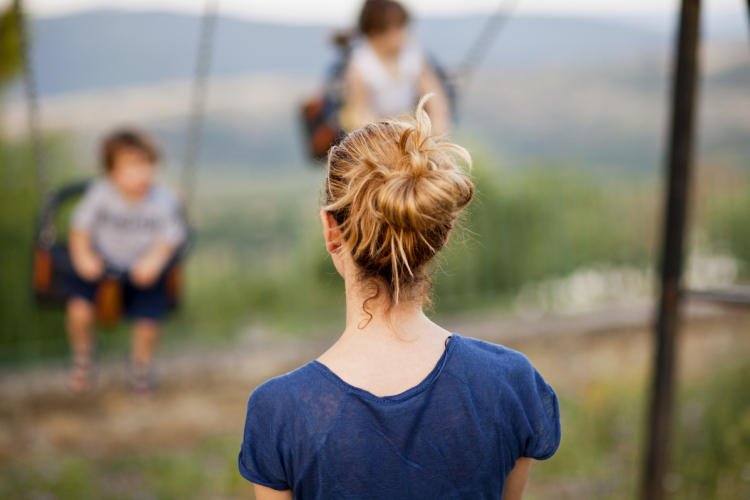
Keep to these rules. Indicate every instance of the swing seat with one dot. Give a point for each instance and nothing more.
(321, 125)
(52, 266)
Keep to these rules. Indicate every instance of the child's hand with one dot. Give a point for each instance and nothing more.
(146, 271)
(149, 267)
(89, 266)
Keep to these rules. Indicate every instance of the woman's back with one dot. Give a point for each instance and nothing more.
(457, 434)
(391, 410)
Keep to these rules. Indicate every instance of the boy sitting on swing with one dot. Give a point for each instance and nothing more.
(124, 224)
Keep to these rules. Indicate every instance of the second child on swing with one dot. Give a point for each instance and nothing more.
(388, 71)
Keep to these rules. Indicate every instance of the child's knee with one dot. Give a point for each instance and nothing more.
(146, 326)
(80, 309)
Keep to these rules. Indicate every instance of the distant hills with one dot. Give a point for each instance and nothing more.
(586, 92)
(103, 49)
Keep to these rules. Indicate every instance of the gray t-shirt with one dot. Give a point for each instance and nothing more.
(122, 230)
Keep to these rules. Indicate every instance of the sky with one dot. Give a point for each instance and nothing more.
(341, 12)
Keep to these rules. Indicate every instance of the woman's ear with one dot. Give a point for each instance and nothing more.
(331, 231)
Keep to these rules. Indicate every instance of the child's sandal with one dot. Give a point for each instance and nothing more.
(82, 374)
(143, 379)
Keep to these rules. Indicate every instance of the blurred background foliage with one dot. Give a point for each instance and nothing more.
(259, 257)
(10, 55)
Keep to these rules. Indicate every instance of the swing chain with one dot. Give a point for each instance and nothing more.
(482, 44)
(43, 181)
(198, 103)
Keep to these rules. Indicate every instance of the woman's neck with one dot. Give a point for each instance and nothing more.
(395, 351)
(374, 317)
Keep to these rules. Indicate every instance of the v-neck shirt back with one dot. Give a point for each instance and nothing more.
(457, 434)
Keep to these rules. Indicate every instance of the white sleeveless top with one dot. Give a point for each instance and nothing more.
(389, 95)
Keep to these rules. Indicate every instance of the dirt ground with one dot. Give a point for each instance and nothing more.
(203, 393)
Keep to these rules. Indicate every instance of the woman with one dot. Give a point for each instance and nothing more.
(388, 71)
(398, 407)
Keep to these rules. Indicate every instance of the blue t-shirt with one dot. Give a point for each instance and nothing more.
(456, 435)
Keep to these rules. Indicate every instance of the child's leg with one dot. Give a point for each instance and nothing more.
(146, 307)
(80, 323)
(146, 334)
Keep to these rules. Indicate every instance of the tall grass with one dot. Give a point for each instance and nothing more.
(26, 332)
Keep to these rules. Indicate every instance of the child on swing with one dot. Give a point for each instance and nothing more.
(398, 407)
(128, 224)
(388, 71)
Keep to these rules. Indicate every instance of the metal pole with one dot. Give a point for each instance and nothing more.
(679, 166)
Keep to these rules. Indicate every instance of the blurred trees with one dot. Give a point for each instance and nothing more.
(10, 53)
(23, 328)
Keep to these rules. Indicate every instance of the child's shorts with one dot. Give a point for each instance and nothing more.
(138, 303)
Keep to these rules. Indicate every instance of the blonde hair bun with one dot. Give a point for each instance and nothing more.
(395, 192)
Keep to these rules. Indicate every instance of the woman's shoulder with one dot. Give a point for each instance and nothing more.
(283, 383)
(299, 390)
(286, 418)
(481, 358)
(507, 385)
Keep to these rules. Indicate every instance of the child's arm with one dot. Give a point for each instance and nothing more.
(357, 112)
(87, 264)
(147, 269)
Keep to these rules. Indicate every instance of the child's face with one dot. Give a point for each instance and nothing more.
(133, 173)
(391, 41)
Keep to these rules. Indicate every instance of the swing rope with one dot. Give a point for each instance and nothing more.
(483, 43)
(43, 179)
(198, 103)
(42, 174)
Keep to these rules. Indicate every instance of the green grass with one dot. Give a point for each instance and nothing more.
(208, 470)
(600, 455)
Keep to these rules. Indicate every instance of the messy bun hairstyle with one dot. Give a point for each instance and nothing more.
(395, 192)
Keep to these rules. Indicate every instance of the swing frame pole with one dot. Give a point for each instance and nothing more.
(679, 166)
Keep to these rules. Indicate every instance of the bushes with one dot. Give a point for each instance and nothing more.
(539, 223)
(602, 448)
(25, 331)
